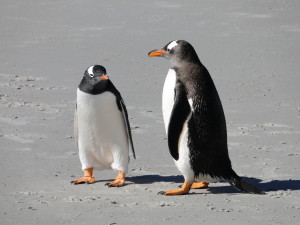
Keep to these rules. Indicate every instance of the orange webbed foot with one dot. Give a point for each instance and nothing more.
(88, 177)
(119, 180)
(185, 189)
(82, 180)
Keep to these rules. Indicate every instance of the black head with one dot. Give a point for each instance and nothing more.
(94, 80)
(177, 51)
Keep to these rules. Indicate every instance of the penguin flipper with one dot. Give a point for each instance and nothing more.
(122, 108)
(180, 113)
(127, 125)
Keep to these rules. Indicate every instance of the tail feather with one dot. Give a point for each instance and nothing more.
(244, 186)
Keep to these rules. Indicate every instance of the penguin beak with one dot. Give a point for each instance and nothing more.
(104, 77)
(157, 52)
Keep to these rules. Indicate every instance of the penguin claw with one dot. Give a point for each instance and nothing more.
(108, 185)
(75, 183)
(111, 185)
(161, 193)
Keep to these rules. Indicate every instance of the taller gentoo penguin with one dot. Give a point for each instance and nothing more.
(101, 127)
(195, 122)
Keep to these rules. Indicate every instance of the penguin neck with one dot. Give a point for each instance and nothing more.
(189, 60)
(187, 69)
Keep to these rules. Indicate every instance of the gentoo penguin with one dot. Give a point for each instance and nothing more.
(101, 127)
(195, 122)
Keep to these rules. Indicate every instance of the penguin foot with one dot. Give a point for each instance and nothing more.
(116, 183)
(199, 185)
(119, 180)
(88, 177)
(182, 191)
(83, 180)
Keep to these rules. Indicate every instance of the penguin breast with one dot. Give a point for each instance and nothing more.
(100, 122)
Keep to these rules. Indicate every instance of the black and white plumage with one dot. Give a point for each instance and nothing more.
(101, 123)
(194, 119)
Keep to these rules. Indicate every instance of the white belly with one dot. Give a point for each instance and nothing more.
(102, 137)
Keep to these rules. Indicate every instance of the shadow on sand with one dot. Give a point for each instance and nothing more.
(150, 179)
(281, 185)
(275, 185)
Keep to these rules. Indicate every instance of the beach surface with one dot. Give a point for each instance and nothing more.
(252, 51)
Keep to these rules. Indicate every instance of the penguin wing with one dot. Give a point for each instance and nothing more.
(179, 115)
(122, 108)
(127, 125)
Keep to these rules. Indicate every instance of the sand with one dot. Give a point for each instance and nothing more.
(251, 49)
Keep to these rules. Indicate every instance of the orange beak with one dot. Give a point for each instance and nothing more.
(158, 52)
(104, 77)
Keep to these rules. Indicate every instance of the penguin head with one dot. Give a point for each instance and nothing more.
(96, 73)
(95, 80)
(176, 51)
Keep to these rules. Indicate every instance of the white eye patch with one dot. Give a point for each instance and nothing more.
(90, 71)
(172, 45)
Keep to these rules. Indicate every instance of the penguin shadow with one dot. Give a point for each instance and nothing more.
(150, 179)
(147, 179)
(275, 185)
(281, 185)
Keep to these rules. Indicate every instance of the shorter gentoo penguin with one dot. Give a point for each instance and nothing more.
(101, 127)
(195, 122)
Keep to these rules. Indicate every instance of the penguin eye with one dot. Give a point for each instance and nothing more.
(91, 75)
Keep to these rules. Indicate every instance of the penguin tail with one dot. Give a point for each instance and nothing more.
(243, 185)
